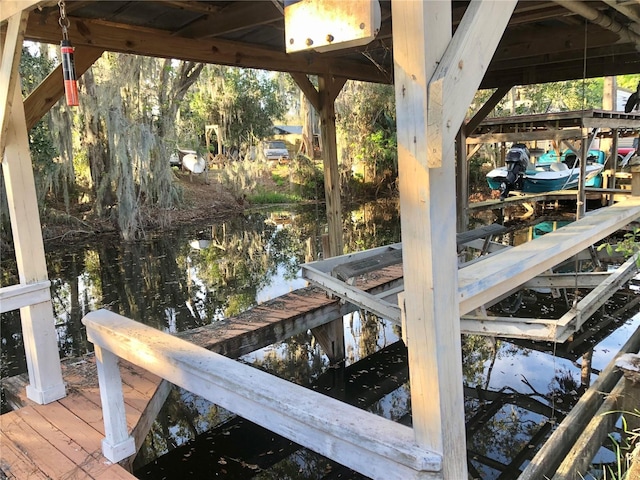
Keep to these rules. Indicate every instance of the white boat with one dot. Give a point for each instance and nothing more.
(190, 160)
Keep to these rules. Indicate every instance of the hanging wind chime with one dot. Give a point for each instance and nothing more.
(68, 65)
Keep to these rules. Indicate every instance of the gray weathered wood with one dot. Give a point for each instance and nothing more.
(9, 76)
(117, 444)
(17, 296)
(577, 462)
(599, 295)
(481, 282)
(370, 444)
(41, 343)
(549, 457)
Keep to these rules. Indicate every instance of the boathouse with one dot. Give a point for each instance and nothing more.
(437, 54)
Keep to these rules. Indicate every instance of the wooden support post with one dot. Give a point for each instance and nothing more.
(581, 206)
(614, 164)
(117, 444)
(329, 88)
(40, 341)
(435, 80)
(11, 49)
(462, 182)
(331, 335)
(635, 180)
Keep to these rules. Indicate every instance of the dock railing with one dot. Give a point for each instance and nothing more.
(372, 445)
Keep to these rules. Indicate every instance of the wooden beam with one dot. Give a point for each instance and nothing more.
(461, 70)
(51, 89)
(462, 182)
(17, 296)
(370, 444)
(13, 7)
(160, 43)
(234, 17)
(307, 88)
(577, 462)
(586, 307)
(331, 335)
(39, 335)
(421, 34)
(481, 282)
(10, 61)
(565, 133)
(328, 89)
(555, 449)
(488, 106)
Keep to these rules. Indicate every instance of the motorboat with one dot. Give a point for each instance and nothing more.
(550, 172)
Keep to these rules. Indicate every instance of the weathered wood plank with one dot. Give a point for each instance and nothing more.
(52, 462)
(368, 443)
(599, 295)
(89, 463)
(89, 412)
(14, 297)
(9, 75)
(576, 464)
(549, 457)
(481, 282)
(261, 326)
(567, 280)
(16, 464)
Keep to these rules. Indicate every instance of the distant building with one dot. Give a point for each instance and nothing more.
(287, 129)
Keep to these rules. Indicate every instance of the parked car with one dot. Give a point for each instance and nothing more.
(275, 150)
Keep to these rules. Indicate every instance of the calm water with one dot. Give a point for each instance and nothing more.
(195, 277)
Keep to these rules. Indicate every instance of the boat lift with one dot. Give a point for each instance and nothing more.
(482, 283)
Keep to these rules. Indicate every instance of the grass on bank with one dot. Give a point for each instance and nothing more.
(268, 198)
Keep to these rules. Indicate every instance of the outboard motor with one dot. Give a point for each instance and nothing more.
(517, 161)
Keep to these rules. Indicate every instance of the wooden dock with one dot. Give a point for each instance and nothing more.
(63, 439)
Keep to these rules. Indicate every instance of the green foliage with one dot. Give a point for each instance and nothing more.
(366, 123)
(623, 445)
(307, 177)
(628, 247)
(242, 101)
(628, 82)
(265, 198)
(278, 179)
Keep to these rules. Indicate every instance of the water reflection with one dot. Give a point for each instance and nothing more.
(515, 392)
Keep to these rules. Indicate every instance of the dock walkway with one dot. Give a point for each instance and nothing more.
(62, 440)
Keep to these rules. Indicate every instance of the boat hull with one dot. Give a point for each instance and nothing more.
(193, 163)
(548, 176)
